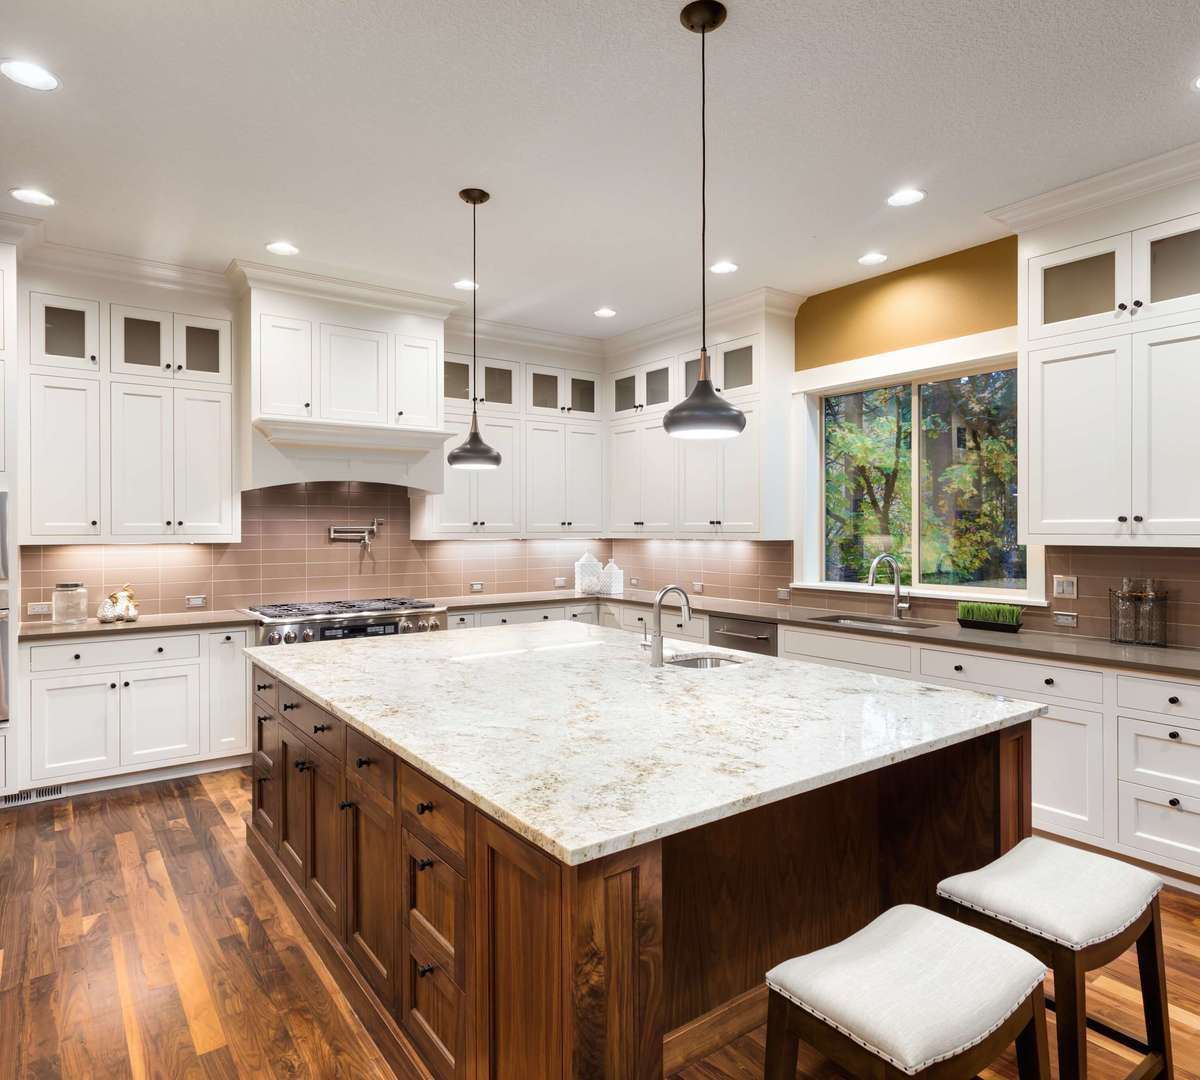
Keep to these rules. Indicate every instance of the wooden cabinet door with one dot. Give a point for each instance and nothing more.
(74, 724)
(585, 479)
(545, 477)
(64, 456)
(267, 775)
(354, 375)
(294, 758)
(1079, 418)
(228, 693)
(285, 375)
(518, 1011)
(433, 1012)
(325, 869)
(417, 382)
(141, 449)
(372, 850)
(160, 714)
(203, 463)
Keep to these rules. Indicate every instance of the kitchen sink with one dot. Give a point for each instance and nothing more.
(703, 663)
(874, 622)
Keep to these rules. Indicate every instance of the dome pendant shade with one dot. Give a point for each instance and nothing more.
(474, 453)
(704, 414)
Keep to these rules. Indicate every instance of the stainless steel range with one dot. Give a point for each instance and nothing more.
(335, 620)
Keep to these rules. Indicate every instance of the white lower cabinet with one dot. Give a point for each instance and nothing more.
(160, 714)
(1159, 823)
(1068, 770)
(517, 616)
(75, 724)
(228, 690)
(1165, 756)
(462, 621)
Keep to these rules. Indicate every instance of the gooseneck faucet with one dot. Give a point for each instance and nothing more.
(656, 636)
(899, 607)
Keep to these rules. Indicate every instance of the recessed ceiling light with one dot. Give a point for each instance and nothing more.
(466, 284)
(1196, 84)
(906, 196)
(872, 258)
(724, 266)
(33, 196)
(604, 313)
(29, 74)
(282, 247)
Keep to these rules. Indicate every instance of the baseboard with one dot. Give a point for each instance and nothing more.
(121, 780)
(392, 1043)
(698, 1038)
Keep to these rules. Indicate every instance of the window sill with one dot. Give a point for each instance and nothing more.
(991, 596)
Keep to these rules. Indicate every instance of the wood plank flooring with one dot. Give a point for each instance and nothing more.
(138, 938)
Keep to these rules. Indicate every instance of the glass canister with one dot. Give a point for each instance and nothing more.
(69, 603)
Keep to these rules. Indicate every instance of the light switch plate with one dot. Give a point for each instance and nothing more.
(697, 586)
(476, 586)
(38, 609)
(560, 582)
(1066, 618)
(1066, 586)
(196, 601)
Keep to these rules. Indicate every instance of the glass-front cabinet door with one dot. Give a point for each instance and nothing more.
(561, 392)
(1166, 268)
(733, 368)
(140, 341)
(203, 349)
(1087, 287)
(499, 384)
(657, 385)
(625, 393)
(64, 332)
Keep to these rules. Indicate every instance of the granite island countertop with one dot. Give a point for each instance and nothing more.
(565, 734)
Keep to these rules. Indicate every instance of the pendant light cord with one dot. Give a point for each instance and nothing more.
(474, 295)
(703, 204)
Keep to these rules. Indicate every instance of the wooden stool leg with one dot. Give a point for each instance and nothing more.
(1033, 1050)
(1070, 1011)
(1153, 974)
(783, 1044)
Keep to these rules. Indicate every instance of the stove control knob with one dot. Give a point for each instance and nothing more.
(405, 626)
(308, 635)
(422, 625)
(434, 624)
(274, 637)
(289, 637)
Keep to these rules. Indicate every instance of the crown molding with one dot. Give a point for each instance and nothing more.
(50, 256)
(21, 231)
(764, 301)
(526, 336)
(1142, 177)
(243, 275)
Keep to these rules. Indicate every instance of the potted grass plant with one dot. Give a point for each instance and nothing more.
(975, 615)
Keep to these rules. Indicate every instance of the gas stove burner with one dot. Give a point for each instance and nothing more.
(339, 620)
(341, 607)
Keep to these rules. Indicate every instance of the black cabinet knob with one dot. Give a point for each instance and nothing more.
(958, 667)
(302, 765)
(167, 522)
(228, 637)
(424, 969)
(308, 405)
(159, 649)
(112, 685)
(483, 523)
(545, 616)
(166, 367)
(126, 683)
(178, 367)
(1173, 803)
(318, 728)
(92, 359)
(1137, 304)
(1122, 518)
(1137, 517)
(362, 762)
(1173, 735)
(345, 805)
(1173, 700)
(287, 705)
(179, 523)
(1122, 307)
(400, 412)
(424, 864)
(95, 523)
(504, 620)
(1048, 681)
(77, 656)
(262, 686)
(424, 808)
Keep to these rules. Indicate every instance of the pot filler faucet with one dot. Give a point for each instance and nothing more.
(656, 638)
(899, 607)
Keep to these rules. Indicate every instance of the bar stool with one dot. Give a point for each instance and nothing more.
(911, 994)
(1075, 911)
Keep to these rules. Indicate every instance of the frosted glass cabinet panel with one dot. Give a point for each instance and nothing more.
(560, 392)
(64, 332)
(140, 341)
(497, 384)
(1166, 268)
(1086, 287)
(203, 349)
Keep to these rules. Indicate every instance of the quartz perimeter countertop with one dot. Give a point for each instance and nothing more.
(564, 733)
(183, 620)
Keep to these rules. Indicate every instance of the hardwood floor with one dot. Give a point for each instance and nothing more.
(138, 938)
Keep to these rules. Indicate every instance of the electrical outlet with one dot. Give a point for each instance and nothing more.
(476, 586)
(1066, 587)
(783, 594)
(635, 582)
(1066, 618)
(38, 609)
(560, 582)
(698, 586)
(195, 601)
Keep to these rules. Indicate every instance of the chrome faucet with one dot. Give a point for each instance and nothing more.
(656, 638)
(899, 607)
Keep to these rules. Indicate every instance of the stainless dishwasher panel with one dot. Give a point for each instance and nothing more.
(745, 635)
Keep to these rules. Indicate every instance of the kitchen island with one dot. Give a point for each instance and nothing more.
(526, 853)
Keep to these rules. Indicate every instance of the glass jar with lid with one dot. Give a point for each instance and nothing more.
(69, 603)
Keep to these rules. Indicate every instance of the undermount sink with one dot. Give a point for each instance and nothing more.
(874, 622)
(703, 663)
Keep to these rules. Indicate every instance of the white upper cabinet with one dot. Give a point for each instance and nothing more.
(453, 511)
(498, 491)
(561, 392)
(354, 375)
(545, 477)
(642, 487)
(1086, 287)
(140, 341)
(585, 479)
(499, 390)
(1166, 268)
(699, 485)
(733, 368)
(1166, 437)
(64, 332)
(64, 457)
(719, 482)
(647, 388)
(142, 450)
(416, 382)
(1079, 447)
(203, 349)
(203, 450)
(285, 369)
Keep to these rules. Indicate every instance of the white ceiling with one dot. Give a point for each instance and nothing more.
(192, 133)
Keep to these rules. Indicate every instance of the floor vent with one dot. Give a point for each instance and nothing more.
(17, 797)
(51, 791)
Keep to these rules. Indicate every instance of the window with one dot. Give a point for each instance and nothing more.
(944, 503)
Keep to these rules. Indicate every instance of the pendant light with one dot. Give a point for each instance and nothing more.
(703, 414)
(474, 453)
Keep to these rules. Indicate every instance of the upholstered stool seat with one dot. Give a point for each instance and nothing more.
(1076, 911)
(913, 988)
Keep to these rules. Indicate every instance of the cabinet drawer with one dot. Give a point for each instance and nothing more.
(1159, 695)
(1149, 821)
(1026, 677)
(462, 621)
(693, 629)
(435, 903)
(131, 650)
(635, 618)
(807, 645)
(311, 721)
(1159, 755)
(431, 810)
(371, 764)
(584, 613)
(517, 616)
(432, 1010)
(266, 689)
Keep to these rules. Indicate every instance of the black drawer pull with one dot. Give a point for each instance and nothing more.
(1048, 681)
(159, 649)
(424, 808)
(262, 686)
(345, 805)
(1172, 700)
(261, 719)
(424, 969)
(1173, 735)
(302, 765)
(77, 656)
(363, 762)
(424, 864)
(958, 667)
(318, 728)
(228, 637)
(290, 705)
(1174, 803)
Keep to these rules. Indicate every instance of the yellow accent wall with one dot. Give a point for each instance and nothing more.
(966, 292)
